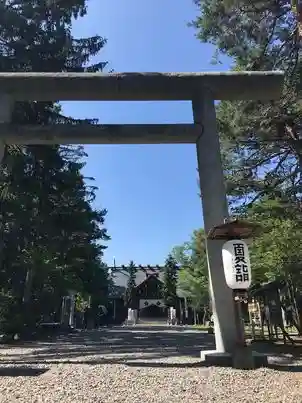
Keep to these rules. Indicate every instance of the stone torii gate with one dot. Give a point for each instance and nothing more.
(199, 88)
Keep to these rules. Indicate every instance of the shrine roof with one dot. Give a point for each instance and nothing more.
(151, 277)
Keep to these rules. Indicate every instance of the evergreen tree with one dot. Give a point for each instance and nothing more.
(50, 234)
(261, 141)
(170, 282)
(131, 285)
(276, 253)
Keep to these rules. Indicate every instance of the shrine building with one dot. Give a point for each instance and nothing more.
(148, 297)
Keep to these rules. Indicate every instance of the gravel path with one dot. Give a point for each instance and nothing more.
(140, 365)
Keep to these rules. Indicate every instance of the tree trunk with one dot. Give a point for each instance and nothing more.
(294, 299)
(204, 316)
(195, 316)
(28, 286)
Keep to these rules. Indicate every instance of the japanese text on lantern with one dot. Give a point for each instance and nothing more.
(241, 267)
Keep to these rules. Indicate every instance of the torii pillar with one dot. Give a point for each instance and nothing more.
(202, 89)
(215, 210)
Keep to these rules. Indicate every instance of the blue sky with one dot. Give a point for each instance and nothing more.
(150, 191)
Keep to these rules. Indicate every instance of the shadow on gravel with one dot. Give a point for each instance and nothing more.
(130, 363)
(115, 346)
(283, 357)
(150, 364)
(21, 371)
(279, 349)
(286, 368)
(136, 347)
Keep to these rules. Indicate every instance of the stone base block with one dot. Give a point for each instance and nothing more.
(242, 358)
(214, 358)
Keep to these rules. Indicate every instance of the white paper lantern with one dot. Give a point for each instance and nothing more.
(236, 263)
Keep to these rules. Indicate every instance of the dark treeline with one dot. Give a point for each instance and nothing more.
(52, 238)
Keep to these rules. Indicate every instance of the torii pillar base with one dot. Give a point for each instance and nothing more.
(241, 358)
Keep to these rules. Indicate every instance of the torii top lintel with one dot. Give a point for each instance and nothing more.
(264, 85)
